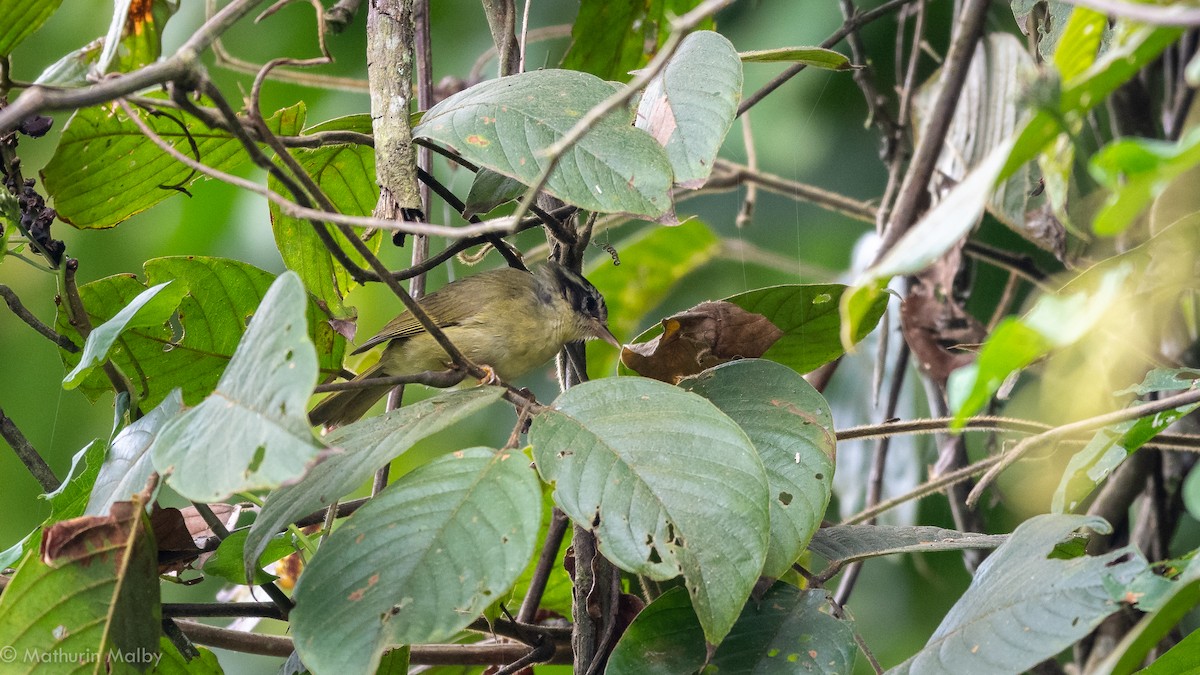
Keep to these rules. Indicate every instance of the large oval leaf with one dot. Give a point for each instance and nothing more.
(667, 482)
(1024, 606)
(690, 105)
(506, 125)
(419, 562)
(252, 432)
(792, 428)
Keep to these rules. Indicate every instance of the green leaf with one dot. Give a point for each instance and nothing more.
(127, 465)
(252, 432)
(221, 296)
(666, 481)
(96, 595)
(1080, 42)
(786, 631)
(1180, 598)
(808, 316)
(1109, 447)
(418, 562)
(346, 174)
(149, 308)
(613, 38)
(1137, 171)
(1023, 607)
(689, 107)
(816, 57)
(1139, 46)
(792, 428)
(489, 190)
(227, 561)
(173, 663)
(134, 37)
(665, 638)
(365, 446)
(1054, 322)
(105, 170)
(20, 18)
(507, 124)
(841, 544)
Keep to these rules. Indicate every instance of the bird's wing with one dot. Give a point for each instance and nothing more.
(482, 290)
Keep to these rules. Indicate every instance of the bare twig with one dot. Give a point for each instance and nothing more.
(14, 303)
(1076, 428)
(726, 173)
(545, 565)
(181, 65)
(968, 30)
(28, 455)
(849, 26)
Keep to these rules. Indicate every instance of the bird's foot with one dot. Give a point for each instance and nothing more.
(490, 376)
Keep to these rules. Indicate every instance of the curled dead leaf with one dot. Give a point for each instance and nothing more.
(704, 336)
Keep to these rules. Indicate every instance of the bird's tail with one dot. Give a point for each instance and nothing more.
(348, 406)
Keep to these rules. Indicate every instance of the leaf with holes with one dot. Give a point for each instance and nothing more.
(1023, 606)
(792, 429)
(252, 432)
(669, 484)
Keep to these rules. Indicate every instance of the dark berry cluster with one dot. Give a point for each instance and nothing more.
(36, 217)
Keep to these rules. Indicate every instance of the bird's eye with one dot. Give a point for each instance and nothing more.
(589, 305)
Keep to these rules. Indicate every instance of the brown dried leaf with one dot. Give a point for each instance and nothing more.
(936, 326)
(90, 538)
(704, 336)
(176, 547)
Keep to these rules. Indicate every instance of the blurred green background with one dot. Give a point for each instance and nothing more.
(811, 130)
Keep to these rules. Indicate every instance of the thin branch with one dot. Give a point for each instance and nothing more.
(925, 489)
(14, 303)
(265, 610)
(849, 26)
(481, 654)
(731, 173)
(1075, 428)
(968, 30)
(181, 65)
(545, 565)
(28, 455)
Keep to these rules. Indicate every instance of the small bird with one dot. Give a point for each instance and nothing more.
(507, 319)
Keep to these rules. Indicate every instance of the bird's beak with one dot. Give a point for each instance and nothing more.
(600, 330)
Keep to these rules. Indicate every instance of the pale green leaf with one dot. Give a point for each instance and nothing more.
(418, 562)
(149, 308)
(1024, 607)
(667, 482)
(792, 428)
(364, 446)
(252, 432)
(507, 124)
(689, 107)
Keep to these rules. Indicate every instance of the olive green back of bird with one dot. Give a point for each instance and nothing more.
(508, 319)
